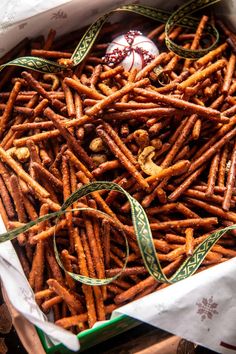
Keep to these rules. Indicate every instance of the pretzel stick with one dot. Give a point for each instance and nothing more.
(229, 73)
(56, 183)
(206, 112)
(97, 290)
(106, 166)
(9, 107)
(49, 232)
(212, 150)
(37, 270)
(107, 127)
(74, 320)
(212, 175)
(66, 193)
(72, 302)
(134, 290)
(122, 158)
(68, 266)
(72, 143)
(115, 96)
(228, 215)
(69, 100)
(22, 174)
(4, 215)
(230, 181)
(153, 112)
(209, 57)
(202, 74)
(9, 209)
(80, 88)
(189, 242)
(177, 224)
(77, 163)
(87, 290)
(36, 85)
(176, 169)
(196, 39)
(155, 62)
(93, 248)
(19, 204)
(188, 181)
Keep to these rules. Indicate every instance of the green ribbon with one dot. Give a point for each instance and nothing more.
(142, 231)
(179, 17)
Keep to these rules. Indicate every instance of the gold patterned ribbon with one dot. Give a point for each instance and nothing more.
(142, 231)
(179, 17)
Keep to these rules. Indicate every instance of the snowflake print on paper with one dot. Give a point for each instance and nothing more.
(59, 15)
(28, 298)
(207, 308)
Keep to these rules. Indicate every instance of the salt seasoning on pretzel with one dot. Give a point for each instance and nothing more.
(230, 181)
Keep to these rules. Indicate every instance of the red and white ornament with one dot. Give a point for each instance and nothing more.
(131, 50)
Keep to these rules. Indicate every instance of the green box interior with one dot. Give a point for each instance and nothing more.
(93, 336)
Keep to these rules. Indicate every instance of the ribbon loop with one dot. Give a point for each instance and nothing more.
(142, 231)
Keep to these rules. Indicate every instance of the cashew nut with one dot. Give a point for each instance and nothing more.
(146, 163)
(99, 158)
(97, 145)
(54, 79)
(142, 138)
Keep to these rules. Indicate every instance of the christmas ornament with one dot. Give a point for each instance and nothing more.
(131, 50)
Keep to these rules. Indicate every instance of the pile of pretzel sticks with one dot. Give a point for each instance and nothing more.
(171, 146)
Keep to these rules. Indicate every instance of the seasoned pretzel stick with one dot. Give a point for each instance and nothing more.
(212, 150)
(134, 290)
(196, 39)
(122, 158)
(36, 85)
(69, 100)
(182, 187)
(157, 61)
(37, 270)
(87, 290)
(96, 290)
(212, 175)
(77, 163)
(9, 107)
(227, 215)
(229, 74)
(72, 142)
(119, 142)
(206, 112)
(66, 193)
(67, 322)
(80, 88)
(177, 224)
(189, 242)
(19, 204)
(202, 74)
(115, 96)
(4, 215)
(42, 171)
(72, 302)
(209, 57)
(174, 170)
(22, 174)
(230, 181)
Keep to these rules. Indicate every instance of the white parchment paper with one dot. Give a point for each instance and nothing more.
(202, 308)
